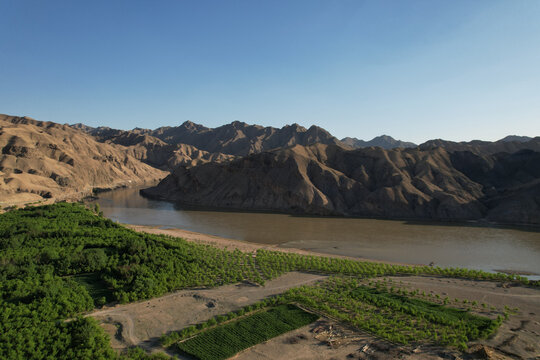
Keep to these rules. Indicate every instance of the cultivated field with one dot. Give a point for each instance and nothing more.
(62, 261)
(142, 323)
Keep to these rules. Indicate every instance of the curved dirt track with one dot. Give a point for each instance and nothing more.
(142, 323)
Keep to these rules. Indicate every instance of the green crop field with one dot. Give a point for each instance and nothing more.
(392, 316)
(228, 339)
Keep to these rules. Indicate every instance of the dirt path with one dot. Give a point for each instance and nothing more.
(142, 323)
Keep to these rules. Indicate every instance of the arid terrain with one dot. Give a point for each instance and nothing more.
(290, 169)
(44, 161)
(399, 183)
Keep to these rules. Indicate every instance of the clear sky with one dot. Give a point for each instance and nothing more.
(415, 70)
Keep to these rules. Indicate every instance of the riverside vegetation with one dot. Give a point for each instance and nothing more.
(59, 261)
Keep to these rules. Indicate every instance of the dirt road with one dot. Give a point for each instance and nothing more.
(142, 323)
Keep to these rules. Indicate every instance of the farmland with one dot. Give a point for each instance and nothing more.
(392, 316)
(224, 341)
(61, 261)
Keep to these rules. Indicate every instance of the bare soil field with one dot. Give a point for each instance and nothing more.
(142, 323)
(328, 340)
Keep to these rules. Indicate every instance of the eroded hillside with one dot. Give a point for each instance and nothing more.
(330, 180)
(45, 160)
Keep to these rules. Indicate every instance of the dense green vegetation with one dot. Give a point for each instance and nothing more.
(59, 261)
(226, 340)
(275, 263)
(393, 316)
(53, 258)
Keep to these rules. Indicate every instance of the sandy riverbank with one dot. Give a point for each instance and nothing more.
(222, 242)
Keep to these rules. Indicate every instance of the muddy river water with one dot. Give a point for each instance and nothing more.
(468, 245)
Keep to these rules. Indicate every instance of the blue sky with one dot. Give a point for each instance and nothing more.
(415, 70)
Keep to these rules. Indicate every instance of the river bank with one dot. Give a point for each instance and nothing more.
(225, 243)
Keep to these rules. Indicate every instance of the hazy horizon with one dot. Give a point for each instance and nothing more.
(416, 70)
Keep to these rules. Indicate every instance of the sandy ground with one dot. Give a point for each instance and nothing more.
(221, 242)
(142, 323)
(307, 343)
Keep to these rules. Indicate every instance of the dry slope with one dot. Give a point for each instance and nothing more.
(153, 151)
(48, 160)
(322, 179)
(398, 183)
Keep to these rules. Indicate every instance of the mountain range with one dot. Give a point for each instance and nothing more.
(289, 169)
(399, 183)
(384, 141)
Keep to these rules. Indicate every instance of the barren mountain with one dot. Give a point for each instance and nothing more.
(160, 154)
(154, 151)
(511, 183)
(384, 141)
(48, 160)
(168, 157)
(238, 138)
(509, 145)
(330, 180)
(516, 138)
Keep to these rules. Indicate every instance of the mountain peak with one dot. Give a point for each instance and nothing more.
(238, 124)
(516, 138)
(383, 141)
(295, 127)
(190, 125)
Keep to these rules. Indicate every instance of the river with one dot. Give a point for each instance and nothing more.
(468, 245)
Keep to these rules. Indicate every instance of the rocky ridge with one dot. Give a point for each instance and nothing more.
(154, 151)
(236, 138)
(400, 183)
(384, 141)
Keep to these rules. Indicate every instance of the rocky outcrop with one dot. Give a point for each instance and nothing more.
(517, 138)
(510, 181)
(48, 160)
(159, 154)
